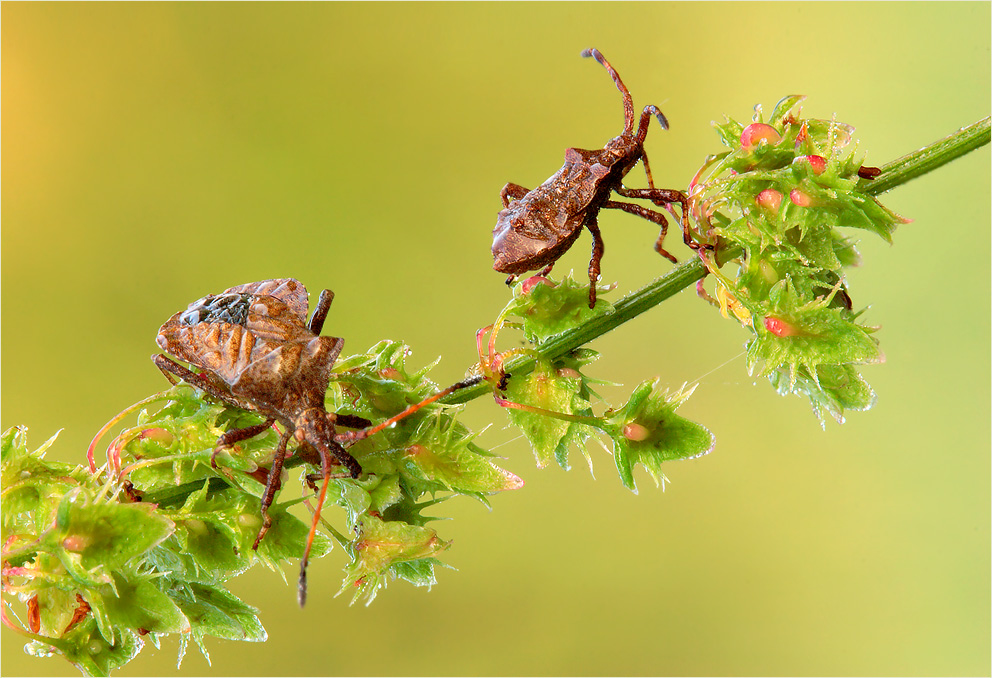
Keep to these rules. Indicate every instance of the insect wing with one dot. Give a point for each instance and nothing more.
(288, 290)
(224, 349)
(271, 319)
(292, 377)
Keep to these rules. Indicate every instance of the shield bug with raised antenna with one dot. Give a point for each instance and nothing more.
(536, 227)
(255, 350)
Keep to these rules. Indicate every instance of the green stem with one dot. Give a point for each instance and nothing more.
(929, 158)
(682, 276)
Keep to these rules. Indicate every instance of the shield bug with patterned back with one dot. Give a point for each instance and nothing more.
(255, 350)
(536, 227)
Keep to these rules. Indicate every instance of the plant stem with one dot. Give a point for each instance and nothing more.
(929, 158)
(894, 174)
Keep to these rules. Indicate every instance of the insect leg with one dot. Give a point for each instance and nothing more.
(665, 196)
(598, 248)
(645, 213)
(168, 366)
(271, 485)
(514, 191)
(325, 472)
(320, 311)
(236, 436)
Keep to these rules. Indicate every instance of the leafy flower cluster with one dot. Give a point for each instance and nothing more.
(553, 404)
(775, 201)
(103, 561)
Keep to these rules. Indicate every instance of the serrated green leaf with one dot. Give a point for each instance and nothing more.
(835, 388)
(554, 391)
(107, 535)
(647, 431)
(140, 605)
(382, 545)
(441, 453)
(287, 538)
(213, 611)
(92, 655)
(550, 309)
(815, 334)
(786, 107)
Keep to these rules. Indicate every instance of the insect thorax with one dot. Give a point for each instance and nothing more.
(230, 307)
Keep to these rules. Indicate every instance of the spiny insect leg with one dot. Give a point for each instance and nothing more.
(235, 436)
(320, 311)
(271, 485)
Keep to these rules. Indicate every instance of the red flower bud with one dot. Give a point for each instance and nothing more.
(779, 327)
(770, 199)
(636, 432)
(817, 162)
(756, 132)
(799, 198)
(530, 283)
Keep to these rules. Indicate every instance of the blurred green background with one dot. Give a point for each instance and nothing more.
(154, 153)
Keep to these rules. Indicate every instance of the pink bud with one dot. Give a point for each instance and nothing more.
(530, 283)
(569, 373)
(779, 327)
(799, 198)
(158, 435)
(391, 373)
(770, 199)
(75, 543)
(816, 162)
(757, 132)
(636, 432)
(415, 450)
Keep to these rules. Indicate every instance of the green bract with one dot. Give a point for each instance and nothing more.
(779, 196)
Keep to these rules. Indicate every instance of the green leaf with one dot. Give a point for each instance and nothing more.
(107, 535)
(833, 389)
(287, 538)
(550, 308)
(380, 546)
(140, 605)
(441, 453)
(553, 390)
(93, 655)
(212, 611)
(647, 431)
(787, 107)
(808, 335)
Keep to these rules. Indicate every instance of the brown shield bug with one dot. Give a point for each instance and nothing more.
(256, 351)
(537, 226)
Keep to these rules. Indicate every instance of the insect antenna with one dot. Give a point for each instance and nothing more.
(628, 102)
